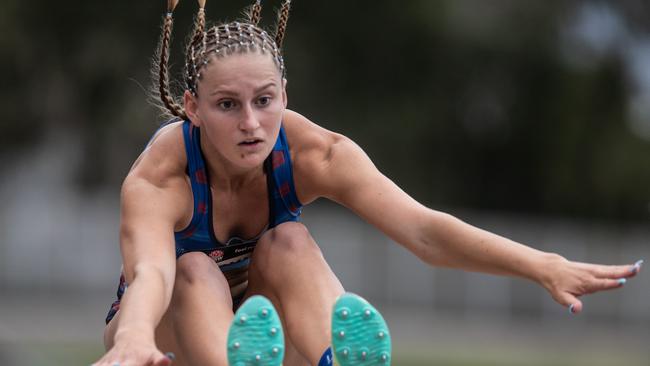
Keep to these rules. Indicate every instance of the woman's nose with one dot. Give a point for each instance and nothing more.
(249, 120)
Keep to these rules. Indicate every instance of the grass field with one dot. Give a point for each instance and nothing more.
(84, 354)
(49, 331)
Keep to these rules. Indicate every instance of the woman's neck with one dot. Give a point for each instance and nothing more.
(225, 176)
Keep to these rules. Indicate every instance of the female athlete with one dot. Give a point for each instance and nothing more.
(209, 218)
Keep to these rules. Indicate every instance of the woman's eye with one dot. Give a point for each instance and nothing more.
(227, 104)
(264, 101)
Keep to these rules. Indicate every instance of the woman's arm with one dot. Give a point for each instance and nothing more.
(342, 172)
(155, 201)
(147, 246)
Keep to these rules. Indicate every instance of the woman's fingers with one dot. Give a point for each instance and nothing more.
(570, 301)
(142, 357)
(164, 360)
(624, 271)
(604, 284)
(578, 279)
(575, 306)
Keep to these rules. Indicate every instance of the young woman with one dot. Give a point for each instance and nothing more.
(210, 215)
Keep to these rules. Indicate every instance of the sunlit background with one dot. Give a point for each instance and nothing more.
(527, 118)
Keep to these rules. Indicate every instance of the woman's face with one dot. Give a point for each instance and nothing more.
(241, 99)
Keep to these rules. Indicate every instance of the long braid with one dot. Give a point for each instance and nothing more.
(163, 70)
(197, 38)
(256, 13)
(283, 18)
(220, 41)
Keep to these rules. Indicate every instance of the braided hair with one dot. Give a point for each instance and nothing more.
(217, 41)
(255, 13)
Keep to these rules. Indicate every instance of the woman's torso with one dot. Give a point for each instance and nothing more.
(226, 224)
(245, 212)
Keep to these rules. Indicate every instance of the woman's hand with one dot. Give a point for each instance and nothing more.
(567, 281)
(135, 353)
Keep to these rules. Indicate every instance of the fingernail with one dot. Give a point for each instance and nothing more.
(170, 355)
(622, 281)
(571, 309)
(637, 266)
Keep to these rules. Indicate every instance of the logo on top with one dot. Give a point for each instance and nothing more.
(216, 255)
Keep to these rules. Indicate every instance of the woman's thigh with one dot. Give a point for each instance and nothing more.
(165, 336)
(291, 355)
(288, 268)
(197, 318)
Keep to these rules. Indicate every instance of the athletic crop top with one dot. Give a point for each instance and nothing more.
(199, 234)
(233, 257)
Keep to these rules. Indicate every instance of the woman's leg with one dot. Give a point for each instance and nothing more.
(195, 327)
(289, 268)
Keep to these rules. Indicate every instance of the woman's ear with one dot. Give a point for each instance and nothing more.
(191, 108)
(284, 92)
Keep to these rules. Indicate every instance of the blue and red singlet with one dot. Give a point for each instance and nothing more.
(234, 255)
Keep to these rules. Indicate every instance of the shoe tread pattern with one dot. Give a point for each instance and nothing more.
(255, 337)
(358, 327)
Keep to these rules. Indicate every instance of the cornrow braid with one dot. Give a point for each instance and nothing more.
(256, 13)
(218, 41)
(163, 70)
(283, 19)
(227, 39)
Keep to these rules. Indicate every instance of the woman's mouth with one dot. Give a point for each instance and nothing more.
(251, 142)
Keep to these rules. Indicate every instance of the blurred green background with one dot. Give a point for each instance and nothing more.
(519, 105)
(529, 118)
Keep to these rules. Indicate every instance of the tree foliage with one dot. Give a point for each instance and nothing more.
(462, 102)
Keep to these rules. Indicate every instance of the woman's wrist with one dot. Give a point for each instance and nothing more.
(134, 333)
(544, 267)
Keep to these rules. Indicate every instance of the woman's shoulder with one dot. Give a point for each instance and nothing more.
(311, 147)
(157, 181)
(163, 158)
(306, 137)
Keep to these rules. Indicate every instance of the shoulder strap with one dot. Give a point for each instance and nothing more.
(198, 177)
(283, 200)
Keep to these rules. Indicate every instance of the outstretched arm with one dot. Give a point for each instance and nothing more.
(146, 239)
(348, 177)
(153, 202)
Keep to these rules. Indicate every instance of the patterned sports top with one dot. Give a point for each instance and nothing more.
(199, 235)
(233, 257)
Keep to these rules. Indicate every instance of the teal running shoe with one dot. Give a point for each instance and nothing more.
(255, 337)
(360, 336)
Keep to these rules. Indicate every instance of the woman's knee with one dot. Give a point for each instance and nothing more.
(197, 267)
(289, 237)
(198, 275)
(283, 244)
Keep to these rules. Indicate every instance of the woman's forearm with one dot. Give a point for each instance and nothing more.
(143, 304)
(450, 242)
(444, 240)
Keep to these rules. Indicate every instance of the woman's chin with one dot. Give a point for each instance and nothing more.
(251, 160)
